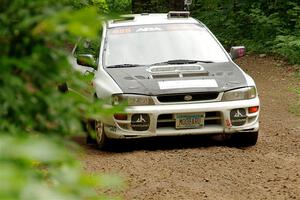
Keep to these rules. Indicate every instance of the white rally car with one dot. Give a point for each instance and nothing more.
(176, 79)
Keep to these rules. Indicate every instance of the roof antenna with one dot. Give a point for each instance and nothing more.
(187, 4)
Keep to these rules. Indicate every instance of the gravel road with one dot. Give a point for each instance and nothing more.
(201, 168)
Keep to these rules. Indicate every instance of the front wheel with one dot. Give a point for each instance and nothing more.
(244, 139)
(101, 138)
(89, 127)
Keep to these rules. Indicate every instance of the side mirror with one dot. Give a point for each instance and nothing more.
(237, 52)
(86, 60)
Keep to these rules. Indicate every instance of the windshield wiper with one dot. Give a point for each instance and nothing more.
(124, 66)
(181, 61)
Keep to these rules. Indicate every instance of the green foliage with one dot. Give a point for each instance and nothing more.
(35, 39)
(150, 6)
(119, 6)
(101, 5)
(288, 46)
(263, 26)
(38, 168)
(79, 24)
(295, 107)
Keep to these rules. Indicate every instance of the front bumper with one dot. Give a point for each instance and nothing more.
(220, 124)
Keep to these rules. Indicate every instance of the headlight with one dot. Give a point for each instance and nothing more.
(240, 94)
(131, 100)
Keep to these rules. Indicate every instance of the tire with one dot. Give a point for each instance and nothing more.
(244, 139)
(101, 138)
(89, 126)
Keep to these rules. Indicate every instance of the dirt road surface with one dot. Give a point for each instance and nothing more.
(201, 168)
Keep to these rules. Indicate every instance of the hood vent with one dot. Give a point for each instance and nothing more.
(179, 75)
(163, 72)
(176, 69)
(164, 76)
(195, 74)
(130, 78)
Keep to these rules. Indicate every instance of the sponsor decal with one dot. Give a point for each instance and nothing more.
(148, 29)
(140, 122)
(121, 30)
(156, 28)
(238, 117)
(238, 114)
(228, 123)
(208, 83)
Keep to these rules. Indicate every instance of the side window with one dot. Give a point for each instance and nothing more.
(88, 46)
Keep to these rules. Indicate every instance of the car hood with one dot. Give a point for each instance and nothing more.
(176, 79)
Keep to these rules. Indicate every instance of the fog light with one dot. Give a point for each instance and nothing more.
(238, 117)
(253, 109)
(120, 116)
(140, 122)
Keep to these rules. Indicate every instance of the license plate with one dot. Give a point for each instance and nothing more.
(190, 121)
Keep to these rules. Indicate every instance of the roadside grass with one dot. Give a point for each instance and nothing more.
(297, 73)
(295, 107)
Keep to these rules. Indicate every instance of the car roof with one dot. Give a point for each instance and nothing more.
(147, 19)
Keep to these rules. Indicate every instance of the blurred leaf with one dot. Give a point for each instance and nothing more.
(35, 38)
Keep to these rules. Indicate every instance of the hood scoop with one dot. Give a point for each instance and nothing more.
(175, 71)
(175, 68)
(179, 75)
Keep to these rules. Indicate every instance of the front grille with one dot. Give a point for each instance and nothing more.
(168, 120)
(188, 97)
(165, 120)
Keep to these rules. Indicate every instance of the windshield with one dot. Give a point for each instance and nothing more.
(146, 45)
